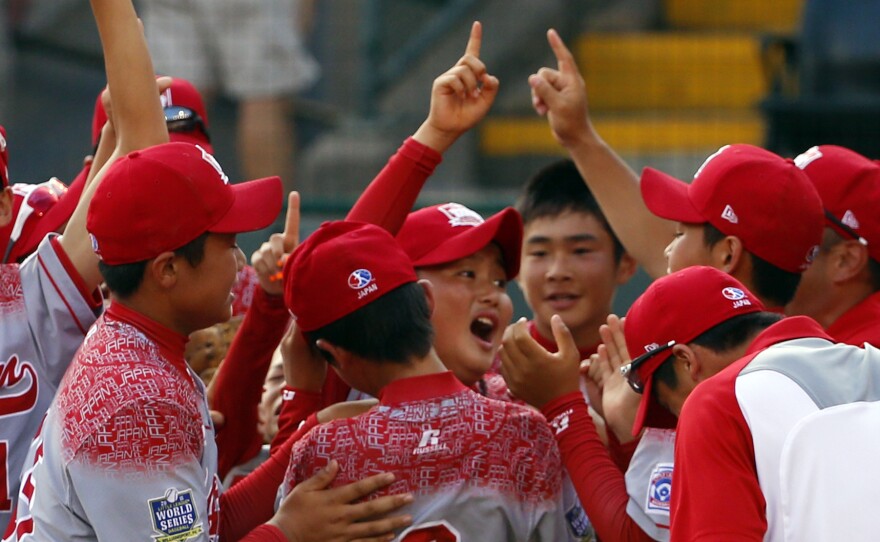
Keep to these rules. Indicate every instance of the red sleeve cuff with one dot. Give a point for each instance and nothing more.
(419, 152)
(561, 404)
(93, 298)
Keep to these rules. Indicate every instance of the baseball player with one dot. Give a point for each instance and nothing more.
(747, 212)
(735, 461)
(478, 468)
(840, 288)
(49, 302)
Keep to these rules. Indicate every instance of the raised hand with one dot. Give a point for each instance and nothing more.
(560, 94)
(268, 260)
(312, 512)
(460, 97)
(532, 373)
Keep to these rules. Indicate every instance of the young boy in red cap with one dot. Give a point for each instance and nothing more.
(770, 378)
(747, 212)
(477, 467)
(840, 289)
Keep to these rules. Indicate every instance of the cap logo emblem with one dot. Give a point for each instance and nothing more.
(849, 218)
(807, 157)
(459, 215)
(207, 157)
(95, 248)
(811, 255)
(2, 143)
(651, 347)
(165, 98)
(709, 159)
(729, 215)
(359, 279)
(732, 293)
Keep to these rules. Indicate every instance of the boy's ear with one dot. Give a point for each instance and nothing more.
(6, 206)
(340, 356)
(626, 268)
(163, 269)
(429, 294)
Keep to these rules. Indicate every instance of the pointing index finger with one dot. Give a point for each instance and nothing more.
(291, 223)
(564, 59)
(475, 41)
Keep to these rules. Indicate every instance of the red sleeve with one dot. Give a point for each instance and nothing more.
(251, 502)
(600, 484)
(392, 194)
(621, 454)
(716, 494)
(239, 382)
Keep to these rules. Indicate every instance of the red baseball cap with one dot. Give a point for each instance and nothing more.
(160, 198)
(181, 102)
(676, 309)
(32, 206)
(340, 268)
(450, 231)
(750, 193)
(4, 159)
(849, 185)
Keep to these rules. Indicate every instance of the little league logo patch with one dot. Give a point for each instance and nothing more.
(175, 517)
(359, 279)
(660, 489)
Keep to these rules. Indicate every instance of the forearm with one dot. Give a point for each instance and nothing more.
(600, 485)
(616, 187)
(391, 195)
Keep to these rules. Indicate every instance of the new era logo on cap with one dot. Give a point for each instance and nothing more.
(849, 218)
(729, 215)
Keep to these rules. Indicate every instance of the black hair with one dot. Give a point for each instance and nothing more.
(124, 279)
(723, 337)
(874, 273)
(559, 188)
(771, 283)
(394, 328)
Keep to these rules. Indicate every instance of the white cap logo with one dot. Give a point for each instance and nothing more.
(459, 215)
(732, 293)
(2, 143)
(729, 215)
(651, 347)
(808, 157)
(359, 279)
(711, 157)
(208, 157)
(849, 218)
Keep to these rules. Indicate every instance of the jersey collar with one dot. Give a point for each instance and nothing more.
(171, 343)
(417, 388)
(787, 329)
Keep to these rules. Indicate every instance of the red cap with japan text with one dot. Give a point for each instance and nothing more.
(447, 232)
(748, 192)
(340, 268)
(160, 198)
(849, 185)
(677, 309)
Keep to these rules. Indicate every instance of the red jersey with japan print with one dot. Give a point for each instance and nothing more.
(126, 451)
(480, 469)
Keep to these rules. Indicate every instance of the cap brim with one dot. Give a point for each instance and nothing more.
(504, 227)
(644, 406)
(667, 197)
(256, 206)
(52, 220)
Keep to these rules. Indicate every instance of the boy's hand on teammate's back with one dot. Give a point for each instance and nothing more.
(532, 373)
(460, 97)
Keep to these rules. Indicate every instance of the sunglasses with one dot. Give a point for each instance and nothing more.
(183, 120)
(632, 375)
(849, 231)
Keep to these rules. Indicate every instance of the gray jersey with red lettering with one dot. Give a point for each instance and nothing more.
(126, 451)
(44, 319)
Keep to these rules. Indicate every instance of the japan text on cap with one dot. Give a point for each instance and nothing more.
(677, 309)
(340, 268)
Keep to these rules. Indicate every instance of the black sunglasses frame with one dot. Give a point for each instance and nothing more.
(629, 371)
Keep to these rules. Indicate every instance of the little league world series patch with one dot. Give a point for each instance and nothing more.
(660, 489)
(175, 517)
